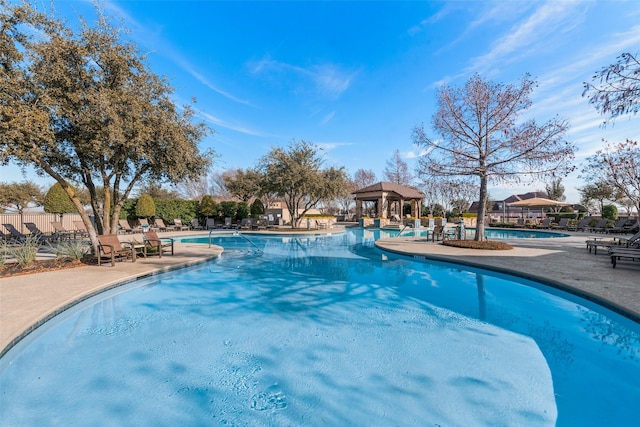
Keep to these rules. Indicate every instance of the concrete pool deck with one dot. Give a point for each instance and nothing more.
(28, 301)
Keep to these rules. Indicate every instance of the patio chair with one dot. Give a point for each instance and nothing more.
(210, 224)
(195, 224)
(109, 246)
(36, 232)
(162, 226)
(156, 244)
(545, 224)
(562, 224)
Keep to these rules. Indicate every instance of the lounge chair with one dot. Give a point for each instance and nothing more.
(156, 244)
(617, 254)
(562, 224)
(600, 227)
(245, 224)
(15, 234)
(38, 234)
(60, 231)
(616, 242)
(228, 223)
(125, 227)
(111, 247)
(619, 227)
(161, 226)
(80, 228)
(178, 225)
(631, 226)
(545, 224)
(195, 224)
(210, 224)
(580, 226)
(144, 225)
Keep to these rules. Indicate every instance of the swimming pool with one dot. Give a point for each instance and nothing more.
(326, 330)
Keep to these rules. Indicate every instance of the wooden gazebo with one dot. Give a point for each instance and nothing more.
(384, 194)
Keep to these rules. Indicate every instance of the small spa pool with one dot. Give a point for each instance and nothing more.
(326, 330)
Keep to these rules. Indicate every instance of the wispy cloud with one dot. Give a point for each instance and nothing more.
(145, 35)
(328, 79)
(327, 118)
(329, 146)
(210, 118)
(549, 18)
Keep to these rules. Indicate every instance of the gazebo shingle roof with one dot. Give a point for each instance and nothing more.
(390, 187)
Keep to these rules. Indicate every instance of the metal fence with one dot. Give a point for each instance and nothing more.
(41, 220)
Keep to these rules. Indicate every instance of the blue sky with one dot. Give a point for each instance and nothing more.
(355, 78)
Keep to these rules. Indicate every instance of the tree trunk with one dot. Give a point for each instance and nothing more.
(482, 209)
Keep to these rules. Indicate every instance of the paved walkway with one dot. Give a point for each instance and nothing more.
(28, 301)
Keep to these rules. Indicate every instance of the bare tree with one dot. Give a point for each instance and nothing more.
(397, 170)
(617, 88)
(555, 190)
(363, 178)
(619, 166)
(481, 134)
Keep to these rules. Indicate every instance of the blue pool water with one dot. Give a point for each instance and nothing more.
(493, 233)
(326, 330)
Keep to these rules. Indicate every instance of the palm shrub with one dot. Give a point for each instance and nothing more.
(25, 253)
(71, 249)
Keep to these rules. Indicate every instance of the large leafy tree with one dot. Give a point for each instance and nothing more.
(84, 107)
(597, 191)
(481, 134)
(19, 195)
(298, 177)
(615, 89)
(618, 165)
(243, 185)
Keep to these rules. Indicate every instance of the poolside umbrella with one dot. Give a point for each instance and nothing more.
(538, 202)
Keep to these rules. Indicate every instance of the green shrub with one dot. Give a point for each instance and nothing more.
(208, 207)
(242, 210)
(57, 201)
(257, 208)
(228, 209)
(610, 212)
(146, 207)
